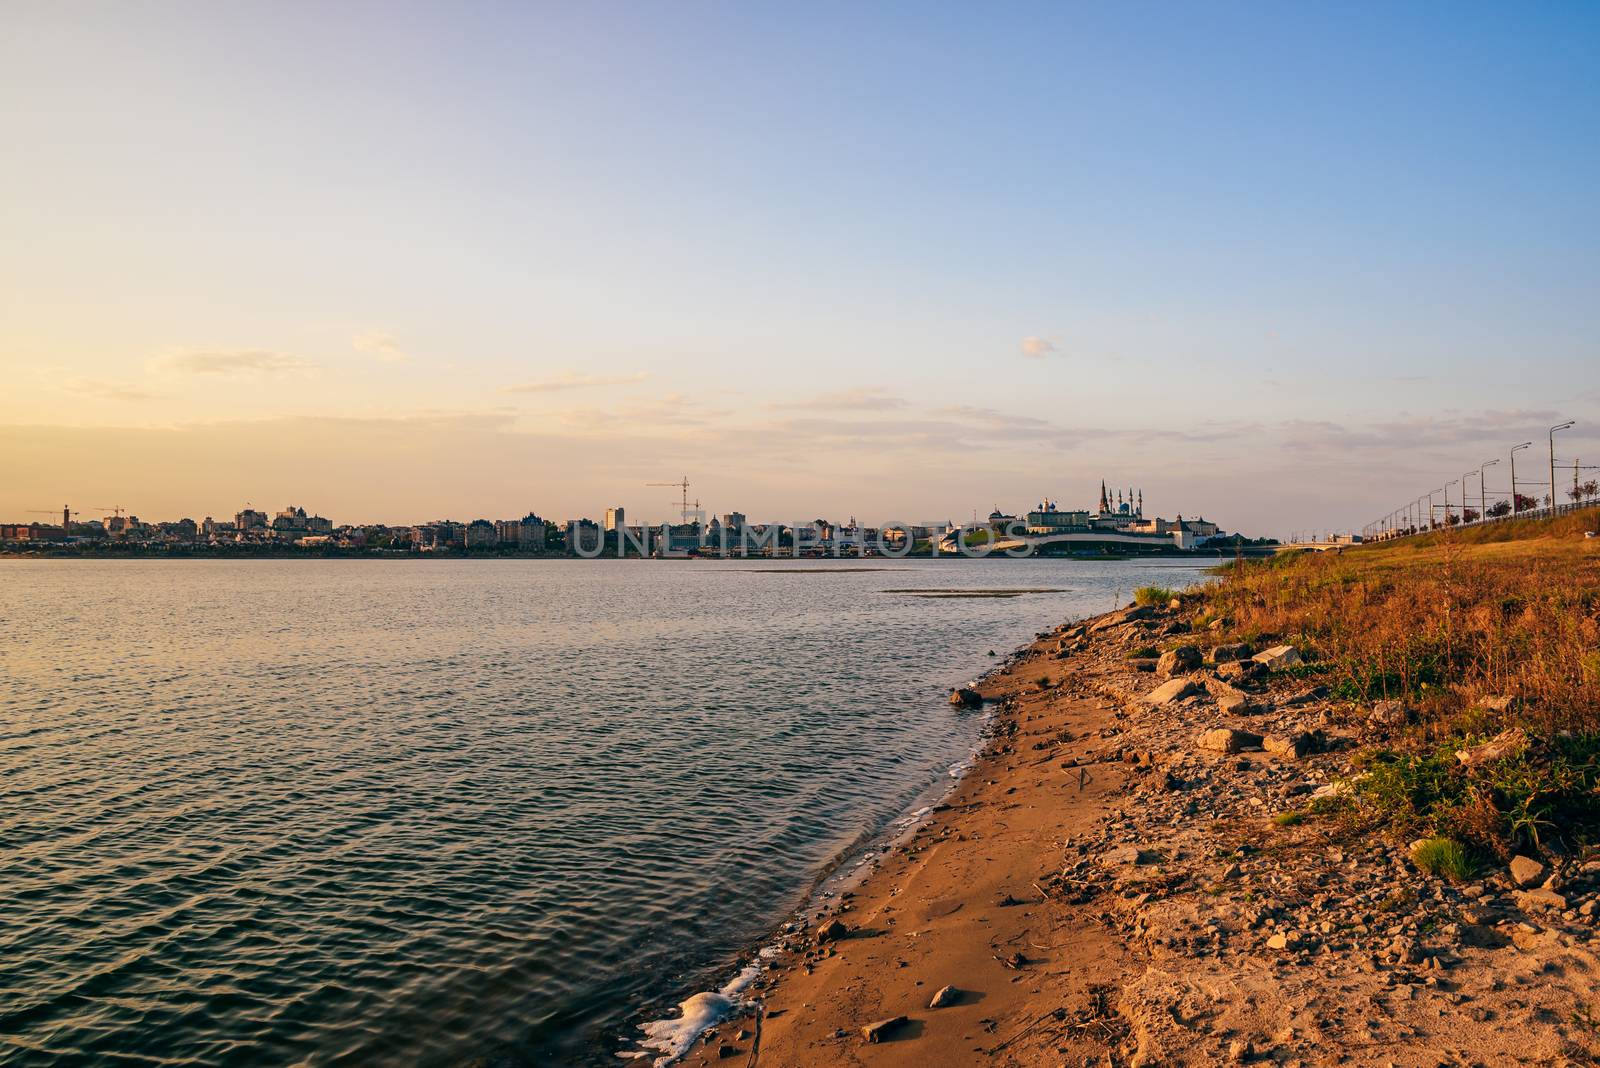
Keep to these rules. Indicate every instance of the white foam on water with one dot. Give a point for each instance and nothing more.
(671, 1039)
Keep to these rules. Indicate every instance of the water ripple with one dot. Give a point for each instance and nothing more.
(369, 813)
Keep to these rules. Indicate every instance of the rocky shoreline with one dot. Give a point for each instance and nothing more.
(1134, 872)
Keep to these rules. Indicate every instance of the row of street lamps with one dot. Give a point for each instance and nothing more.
(1408, 518)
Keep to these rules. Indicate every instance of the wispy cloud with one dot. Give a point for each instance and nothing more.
(861, 399)
(228, 362)
(1038, 347)
(379, 345)
(95, 387)
(574, 381)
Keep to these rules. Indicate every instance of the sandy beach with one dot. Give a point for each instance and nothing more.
(1125, 877)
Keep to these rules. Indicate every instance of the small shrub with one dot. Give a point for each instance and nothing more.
(1148, 652)
(1044, 682)
(1153, 595)
(1289, 819)
(1445, 858)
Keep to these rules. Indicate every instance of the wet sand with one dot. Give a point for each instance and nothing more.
(954, 905)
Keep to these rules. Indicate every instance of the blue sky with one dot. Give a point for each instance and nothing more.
(1283, 265)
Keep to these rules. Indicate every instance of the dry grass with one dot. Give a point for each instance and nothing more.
(1443, 623)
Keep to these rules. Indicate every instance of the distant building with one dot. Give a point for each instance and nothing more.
(250, 520)
(480, 534)
(584, 534)
(615, 519)
(1048, 518)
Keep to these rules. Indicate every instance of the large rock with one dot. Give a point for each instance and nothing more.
(831, 931)
(1127, 615)
(1132, 855)
(1388, 714)
(1229, 740)
(1504, 744)
(1532, 900)
(1179, 661)
(877, 1032)
(1279, 656)
(1230, 699)
(1173, 690)
(947, 995)
(1525, 871)
(1225, 654)
(1294, 746)
(1239, 670)
(965, 698)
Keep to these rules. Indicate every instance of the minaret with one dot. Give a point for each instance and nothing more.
(1105, 503)
(1141, 504)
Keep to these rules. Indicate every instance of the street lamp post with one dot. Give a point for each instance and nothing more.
(1464, 497)
(1446, 492)
(1564, 426)
(1514, 450)
(1483, 494)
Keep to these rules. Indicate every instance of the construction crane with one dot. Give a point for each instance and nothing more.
(114, 509)
(684, 486)
(67, 512)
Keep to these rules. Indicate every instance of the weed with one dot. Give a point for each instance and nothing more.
(1289, 819)
(1158, 595)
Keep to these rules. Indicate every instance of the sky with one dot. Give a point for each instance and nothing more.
(1282, 266)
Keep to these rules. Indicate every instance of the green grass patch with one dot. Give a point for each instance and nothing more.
(1148, 652)
(1289, 819)
(1445, 858)
(1521, 800)
(1158, 595)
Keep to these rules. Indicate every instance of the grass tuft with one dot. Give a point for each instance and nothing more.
(1157, 595)
(1445, 858)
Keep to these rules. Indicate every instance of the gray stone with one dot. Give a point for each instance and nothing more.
(1133, 855)
(1224, 654)
(1173, 690)
(1117, 619)
(947, 995)
(876, 1032)
(1525, 871)
(965, 698)
(1294, 745)
(1179, 661)
(1502, 745)
(1239, 670)
(1229, 740)
(1279, 656)
(831, 931)
(1388, 714)
(1530, 900)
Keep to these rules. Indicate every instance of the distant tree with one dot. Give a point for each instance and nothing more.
(1582, 491)
(1471, 515)
(1524, 502)
(1499, 508)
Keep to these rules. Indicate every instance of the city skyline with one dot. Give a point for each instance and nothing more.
(1282, 263)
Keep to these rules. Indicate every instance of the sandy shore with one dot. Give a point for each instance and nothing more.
(1102, 888)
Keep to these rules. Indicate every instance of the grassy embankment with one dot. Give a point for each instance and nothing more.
(1455, 637)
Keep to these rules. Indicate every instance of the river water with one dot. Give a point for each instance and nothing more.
(430, 812)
